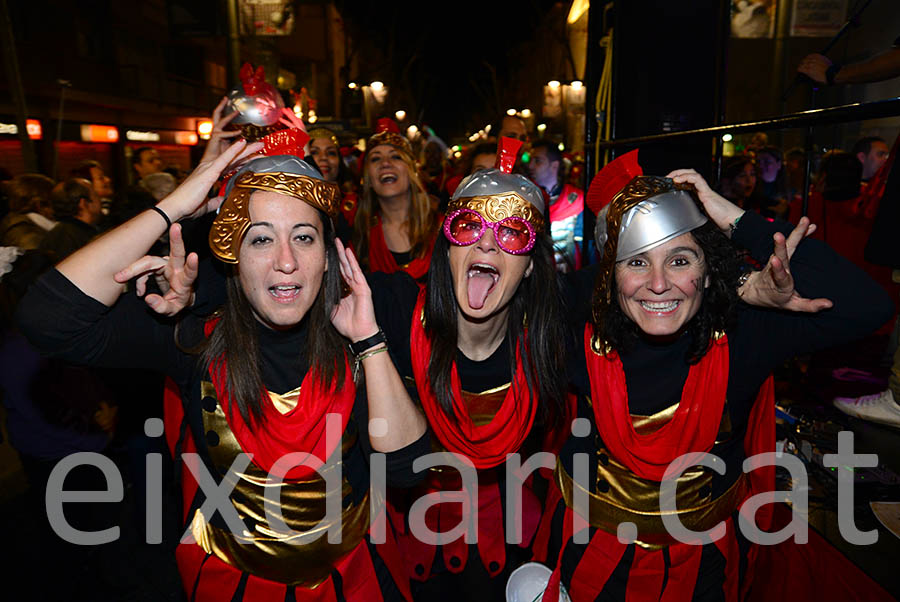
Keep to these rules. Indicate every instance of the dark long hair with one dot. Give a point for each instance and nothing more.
(536, 302)
(235, 338)
(718, 308)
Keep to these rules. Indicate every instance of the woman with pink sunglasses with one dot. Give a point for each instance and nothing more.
(487, 363)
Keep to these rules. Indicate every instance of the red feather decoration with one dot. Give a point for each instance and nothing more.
(611, 179)
(386, 124)
(507, 152)
(252, 81)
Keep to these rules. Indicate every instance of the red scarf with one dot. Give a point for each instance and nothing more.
(486, 445)
(300, 430)
(381, 259)
(693, 427)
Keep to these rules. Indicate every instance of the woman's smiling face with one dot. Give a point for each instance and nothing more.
(387, 172)
(327, 157)
(662, 290)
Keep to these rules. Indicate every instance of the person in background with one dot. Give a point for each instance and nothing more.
(5, 177)
(513, 126)
(30, 214)
(772, 182)
(325, 150)
(740, 185)
(872, 152)
(145, 161)
(396, 221)
(436, 171)
(881, 248)
(53, 410)
(160, 184)
(794, 168)
(92, 171)
(479, 157)
(483, 156)
(566, 205)
(79, 210)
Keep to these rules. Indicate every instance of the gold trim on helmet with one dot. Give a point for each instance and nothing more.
(391, 138)
(318, 133)
(497, 207)
(233, 220)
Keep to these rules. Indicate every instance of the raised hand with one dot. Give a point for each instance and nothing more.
(815, 66)
(292, 121)
(190, 198)
(289, 119)
(175, 274)
(774, 285)
(220, 137)
(354, 315)
(720, 210)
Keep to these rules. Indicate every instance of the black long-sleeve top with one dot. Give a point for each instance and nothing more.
(394, 296)
(761, 339)
(62, 321)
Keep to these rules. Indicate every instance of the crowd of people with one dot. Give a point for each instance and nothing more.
(317, 312)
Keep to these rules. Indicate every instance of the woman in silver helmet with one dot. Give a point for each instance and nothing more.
(671, 364)
(481, 342)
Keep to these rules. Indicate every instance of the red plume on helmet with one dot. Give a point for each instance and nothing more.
(507, 152)
(386, 124)
(252, 81)
(611, 179)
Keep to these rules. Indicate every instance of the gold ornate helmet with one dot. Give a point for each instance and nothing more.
(388, 132)
(285, 174)
(497, 194)
(323, 133)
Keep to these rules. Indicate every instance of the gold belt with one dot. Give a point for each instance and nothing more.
(628, 498)
(304, 557)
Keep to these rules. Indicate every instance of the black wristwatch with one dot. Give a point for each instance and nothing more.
(360, 347)
(831, 72)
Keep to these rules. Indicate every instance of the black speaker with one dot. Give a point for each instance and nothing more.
(667, 73)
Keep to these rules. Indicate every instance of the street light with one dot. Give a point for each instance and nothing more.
(205, 128)
(400, 115)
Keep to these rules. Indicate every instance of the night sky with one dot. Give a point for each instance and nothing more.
(439, 56)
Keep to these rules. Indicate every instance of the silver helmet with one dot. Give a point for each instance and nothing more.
(493, 182)
(658, 213)
(257, 102)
